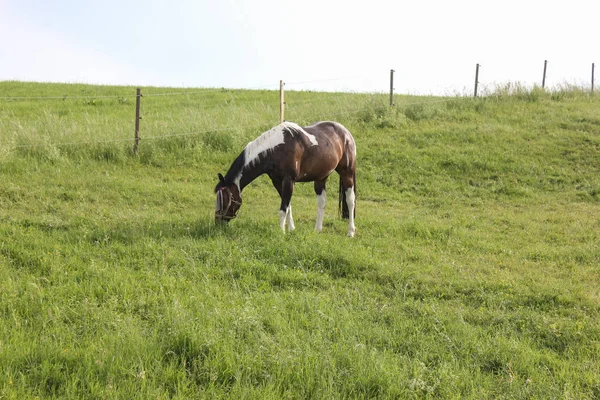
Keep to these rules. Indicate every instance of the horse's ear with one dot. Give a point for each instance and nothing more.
(221, 179)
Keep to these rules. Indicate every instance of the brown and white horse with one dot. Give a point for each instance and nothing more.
(288, 154)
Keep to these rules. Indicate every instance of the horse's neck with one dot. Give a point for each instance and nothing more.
(251, 172)
(244, 175)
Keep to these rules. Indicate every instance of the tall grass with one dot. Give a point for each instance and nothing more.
(474, 272)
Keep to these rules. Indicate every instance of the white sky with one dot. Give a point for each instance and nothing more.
(433, 45)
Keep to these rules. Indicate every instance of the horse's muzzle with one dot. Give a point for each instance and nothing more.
(226, 210)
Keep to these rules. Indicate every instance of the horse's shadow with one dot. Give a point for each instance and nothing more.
(199, 229)
(204, 229)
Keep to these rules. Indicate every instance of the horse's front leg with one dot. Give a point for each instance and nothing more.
(285, 211)
(290, 219)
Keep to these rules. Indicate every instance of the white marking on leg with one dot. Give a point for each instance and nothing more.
(282, 217)
(350, 199)
(290, 219)
(321, 201)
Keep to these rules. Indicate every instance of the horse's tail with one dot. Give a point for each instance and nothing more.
(343, 205)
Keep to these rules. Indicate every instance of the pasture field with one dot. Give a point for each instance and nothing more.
(474, 273)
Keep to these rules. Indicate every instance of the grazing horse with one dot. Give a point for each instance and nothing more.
(288, 154)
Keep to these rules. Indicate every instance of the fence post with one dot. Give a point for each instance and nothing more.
(476, 79)
(391, 87)
(281, 102)
(593, 65)
(136, 143)
(544, 78)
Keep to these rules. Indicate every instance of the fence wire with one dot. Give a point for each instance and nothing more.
(132, 95)
(66, 97)
(174, 93)
(156, 137)
(289, 105)
(213, 130)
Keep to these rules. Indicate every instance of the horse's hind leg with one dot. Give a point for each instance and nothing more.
(350, 200)
(321, 201)
(349, 196)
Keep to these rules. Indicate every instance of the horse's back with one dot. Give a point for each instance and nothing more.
(339, 135)
(335, 149)
(331, 132)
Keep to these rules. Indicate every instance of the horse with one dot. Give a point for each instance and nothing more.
(289, 153)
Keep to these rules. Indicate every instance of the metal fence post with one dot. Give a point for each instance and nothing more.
(544, 78)
(476, 79)
(136, 143)
(281, 102)
(391, 87)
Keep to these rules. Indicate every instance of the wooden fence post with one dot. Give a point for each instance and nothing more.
(281, 102)
(544, 78)
(391, 87)
(136, 143)
(476, 79)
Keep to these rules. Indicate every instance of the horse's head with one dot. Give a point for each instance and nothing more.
(229, 200)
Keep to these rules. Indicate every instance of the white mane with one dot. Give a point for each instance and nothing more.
(268, 141)
(271, 139)
(265, 142)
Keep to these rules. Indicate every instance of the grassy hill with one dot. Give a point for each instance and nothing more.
(474, 273)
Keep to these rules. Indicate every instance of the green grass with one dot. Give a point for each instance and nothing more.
(474, 272)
